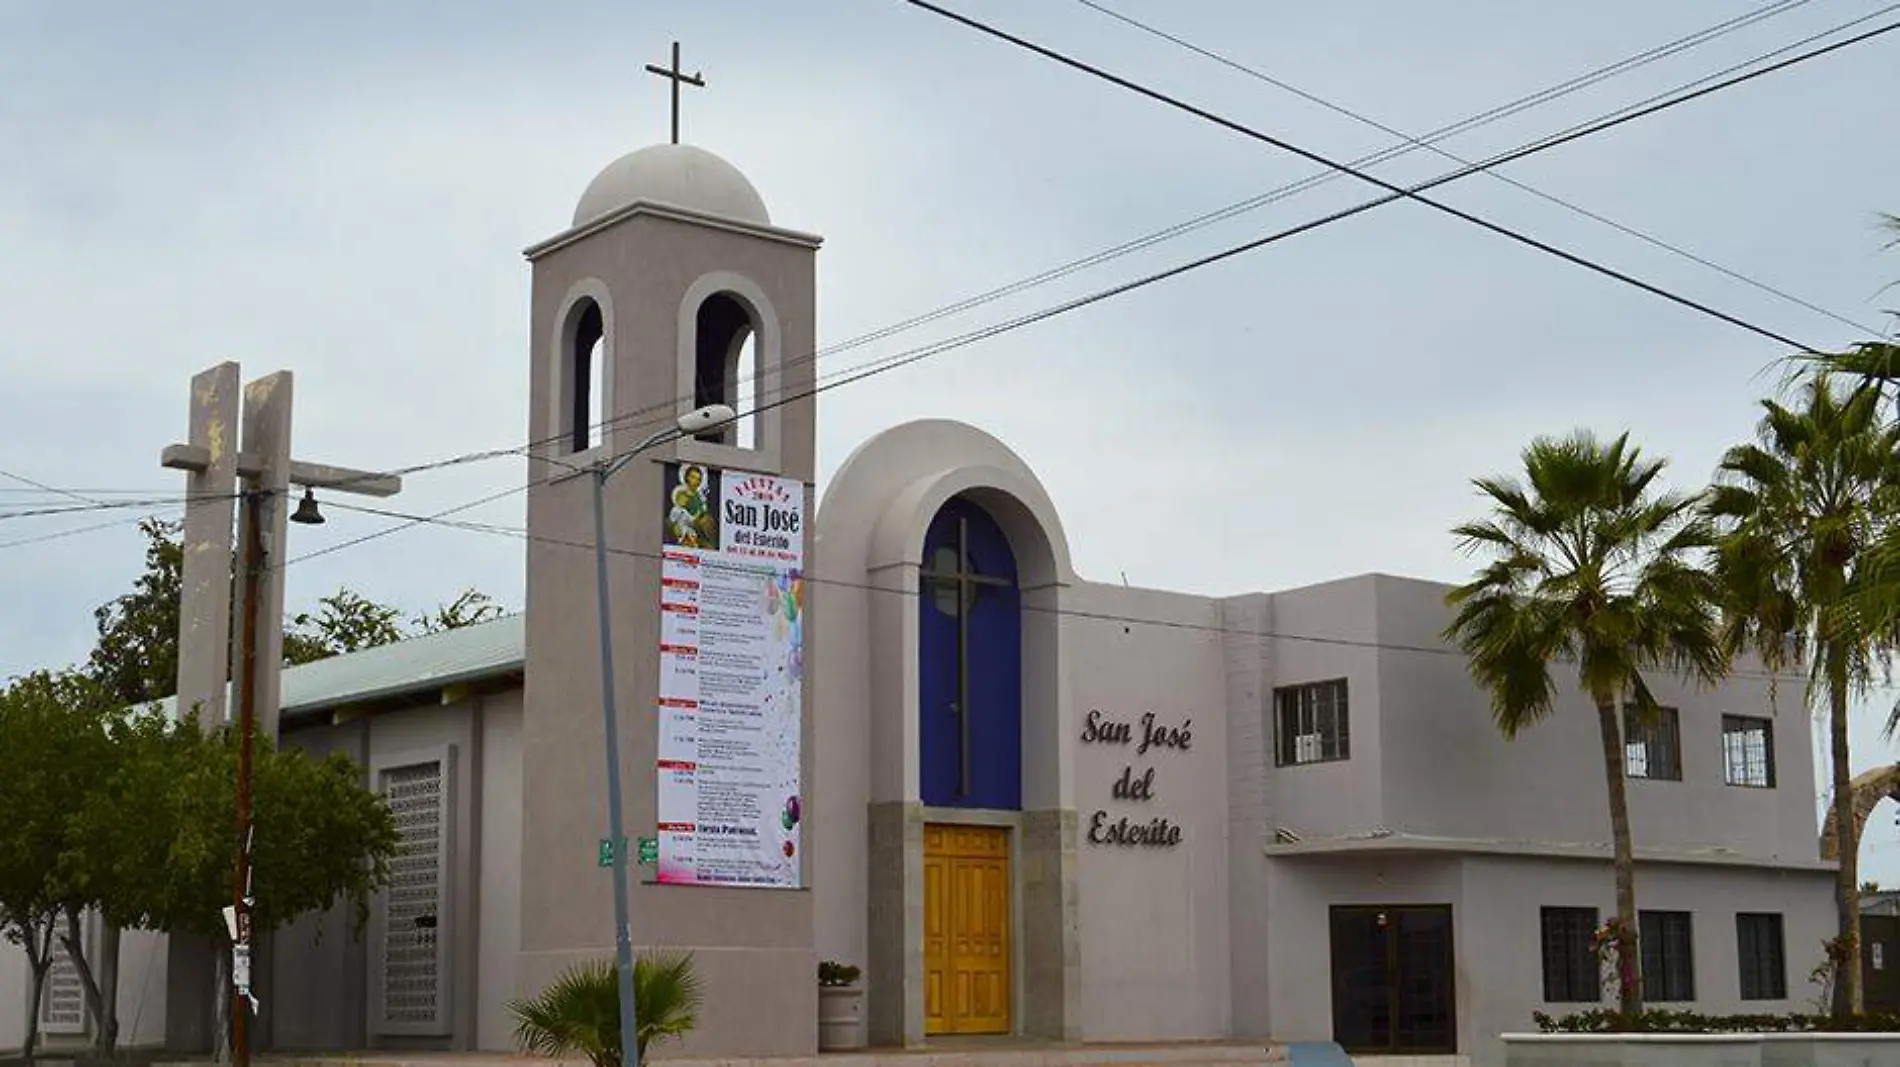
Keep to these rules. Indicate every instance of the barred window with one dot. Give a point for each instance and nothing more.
(1652, 746)
(1668, 952)
(1570, 965)
(1759, 949)
(1310, 723)
(1748, 751)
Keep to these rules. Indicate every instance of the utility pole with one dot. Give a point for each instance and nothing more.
(260, 467)
(697, 421)
(247, 725)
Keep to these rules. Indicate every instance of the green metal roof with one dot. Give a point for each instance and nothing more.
(415, 665)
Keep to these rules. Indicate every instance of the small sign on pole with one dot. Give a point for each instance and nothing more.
(606, 854)
(648, 854)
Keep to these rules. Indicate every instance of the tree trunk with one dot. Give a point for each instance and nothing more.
(1628, 979)
(1847, 991)
(33, 1011)
(39, 960)
(221, 1039)
(107, 1038)
(75, 943)
(37, 937)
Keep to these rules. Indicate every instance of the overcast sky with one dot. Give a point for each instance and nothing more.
(344, 190)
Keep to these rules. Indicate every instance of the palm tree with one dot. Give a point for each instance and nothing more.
(1592, 566)
(1801, 511)
(580, 1012)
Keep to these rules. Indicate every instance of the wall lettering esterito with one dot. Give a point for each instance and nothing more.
(1150, 737)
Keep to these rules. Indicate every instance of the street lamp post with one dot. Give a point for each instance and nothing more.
(693, 422)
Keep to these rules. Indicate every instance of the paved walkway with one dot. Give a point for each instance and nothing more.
(963, 1053)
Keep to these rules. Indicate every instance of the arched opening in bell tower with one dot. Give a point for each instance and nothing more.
(726, 366)
(587, 370)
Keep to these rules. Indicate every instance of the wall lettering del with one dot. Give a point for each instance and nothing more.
(1155, 736)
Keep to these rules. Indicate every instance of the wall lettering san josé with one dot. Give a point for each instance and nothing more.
(1152, 736)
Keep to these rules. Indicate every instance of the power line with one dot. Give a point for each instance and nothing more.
(520, 534)
(116, 505)
(43, 487)
(918, 354)
(410, 521)
(80, 492)
(1287, 146)
(58, 535)
(1551, 198)
(924, 352)
(1234, 210)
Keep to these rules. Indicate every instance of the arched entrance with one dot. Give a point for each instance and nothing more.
(965, 811)
(969, 735)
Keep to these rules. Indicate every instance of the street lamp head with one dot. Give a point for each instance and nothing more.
(699, 420)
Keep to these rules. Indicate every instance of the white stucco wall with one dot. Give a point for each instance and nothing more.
(1436, 729)
(1155, 959)
(499, 894)
(141, 1000)
(1321, 633)
(1496, 902)
(14, 990)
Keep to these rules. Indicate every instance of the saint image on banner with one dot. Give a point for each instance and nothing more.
(692, 506)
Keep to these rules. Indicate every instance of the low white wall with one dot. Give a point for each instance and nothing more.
(1700, 1050)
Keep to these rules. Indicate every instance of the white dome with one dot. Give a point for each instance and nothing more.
(677, 174)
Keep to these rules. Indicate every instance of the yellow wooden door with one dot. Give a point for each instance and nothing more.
(966, 930)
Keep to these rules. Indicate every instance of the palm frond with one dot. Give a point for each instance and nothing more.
(668, 994)
(579, 1012)
(1596, 562)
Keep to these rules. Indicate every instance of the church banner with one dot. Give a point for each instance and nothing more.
(731, 698)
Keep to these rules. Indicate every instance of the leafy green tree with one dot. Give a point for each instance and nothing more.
(1799, 510)
(343, 622)
(159, 847)
(140, 791)
(136, 656)
(579, 1013)
(52, 746)
(468, 609)
(1592, 565)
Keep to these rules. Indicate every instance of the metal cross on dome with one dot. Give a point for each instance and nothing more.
(677, 77)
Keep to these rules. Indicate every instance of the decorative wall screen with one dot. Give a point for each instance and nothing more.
(63, 1004)
(413, 991)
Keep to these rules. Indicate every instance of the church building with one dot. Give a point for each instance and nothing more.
(884, 722)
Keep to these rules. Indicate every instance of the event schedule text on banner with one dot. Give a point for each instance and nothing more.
(731, 700)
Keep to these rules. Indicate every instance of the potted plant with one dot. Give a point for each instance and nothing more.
(840, 1007)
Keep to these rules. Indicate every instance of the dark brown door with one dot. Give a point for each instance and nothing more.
(1880, 959)
(1392, 979)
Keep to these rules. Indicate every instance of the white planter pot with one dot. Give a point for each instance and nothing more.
(840, 1017)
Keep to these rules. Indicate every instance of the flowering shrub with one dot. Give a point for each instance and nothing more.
(1664, 1021)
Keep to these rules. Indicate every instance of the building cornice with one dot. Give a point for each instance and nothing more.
(1386, 842)
(675, 213)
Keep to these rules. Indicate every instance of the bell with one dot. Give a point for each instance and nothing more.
(307, 512)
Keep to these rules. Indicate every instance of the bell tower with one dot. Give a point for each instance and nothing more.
(671, 289)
